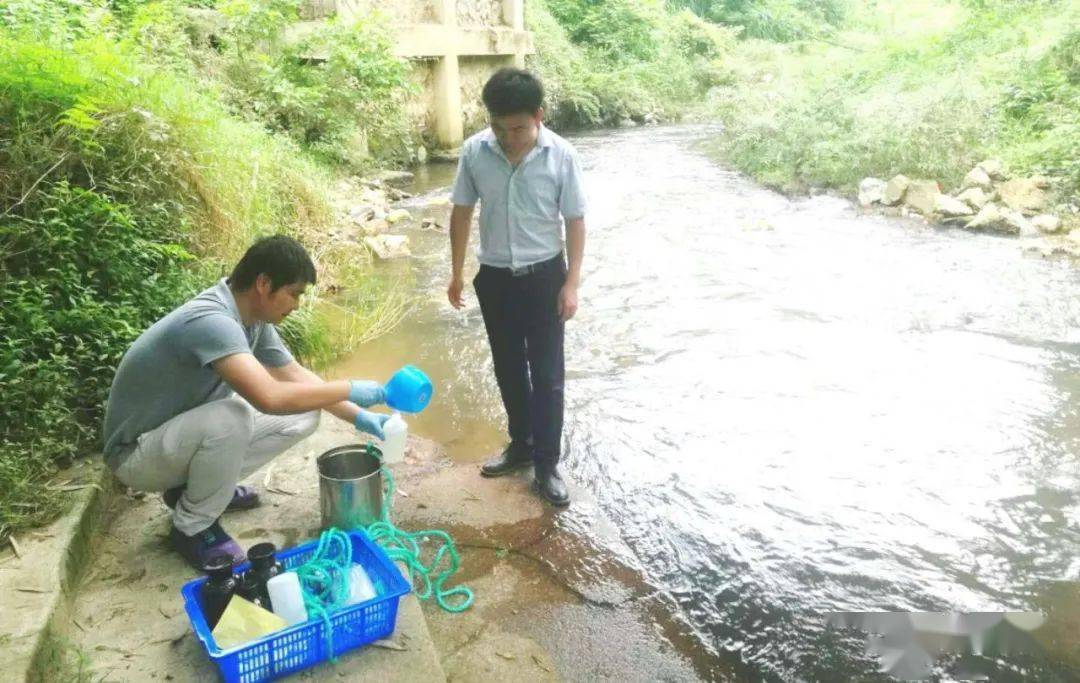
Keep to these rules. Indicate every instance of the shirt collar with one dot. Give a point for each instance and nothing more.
(543, 138)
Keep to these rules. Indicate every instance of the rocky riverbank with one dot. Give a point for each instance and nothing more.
(989, 199)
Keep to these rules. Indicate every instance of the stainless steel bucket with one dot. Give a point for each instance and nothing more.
(350, 486)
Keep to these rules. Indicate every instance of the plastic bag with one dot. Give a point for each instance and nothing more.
(243, 622)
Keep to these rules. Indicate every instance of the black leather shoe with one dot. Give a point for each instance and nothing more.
(551, 488)
(510, 460)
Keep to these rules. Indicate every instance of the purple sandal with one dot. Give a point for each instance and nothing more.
(199, 549)
(244, 498)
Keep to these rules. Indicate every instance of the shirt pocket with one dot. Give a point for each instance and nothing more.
(540, 194)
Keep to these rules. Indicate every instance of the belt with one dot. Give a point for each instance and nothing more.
(529, 269)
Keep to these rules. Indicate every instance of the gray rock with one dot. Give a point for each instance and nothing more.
(993, 168)
(1023, 194)
(446, 155)
(991, 219)
(361, 214)
(376, 226)
(977, 177)
(1039, 248)
(389, 246)
(922, 196)
(395, 177)
(397, 215)
(974, 197)
(871, 191)
(1047, 222)
(1017, 220)
(895, 189)
(421, 154)
(951, 206)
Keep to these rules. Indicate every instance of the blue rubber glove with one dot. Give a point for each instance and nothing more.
(371, 423)
(366, 393)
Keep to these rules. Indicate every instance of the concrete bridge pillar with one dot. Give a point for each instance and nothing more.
(449, 125)
(444, 41)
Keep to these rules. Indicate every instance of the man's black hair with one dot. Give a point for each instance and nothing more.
(281, 258)
(513, 91)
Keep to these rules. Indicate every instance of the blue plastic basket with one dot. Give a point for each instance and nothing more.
(304, 645)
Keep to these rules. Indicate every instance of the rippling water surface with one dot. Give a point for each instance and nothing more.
(786, 407)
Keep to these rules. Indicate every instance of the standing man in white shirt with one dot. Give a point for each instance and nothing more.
(528, 182)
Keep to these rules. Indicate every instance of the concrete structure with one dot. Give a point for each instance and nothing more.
(454, 45)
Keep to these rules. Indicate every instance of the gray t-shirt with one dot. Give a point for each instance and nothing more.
(167, 370)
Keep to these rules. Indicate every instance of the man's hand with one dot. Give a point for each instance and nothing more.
(366, 393)
(371, 423)
(453, 292)
(567, 302)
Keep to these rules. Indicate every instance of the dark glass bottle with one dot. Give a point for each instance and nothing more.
(218, 589)
(247, 587)
(264, 566)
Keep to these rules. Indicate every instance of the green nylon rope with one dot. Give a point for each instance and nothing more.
(324, 580)
(405, 546)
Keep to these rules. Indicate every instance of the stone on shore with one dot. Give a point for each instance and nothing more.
(895, 189)
(872, 191)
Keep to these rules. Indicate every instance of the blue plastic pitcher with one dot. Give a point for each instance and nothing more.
(409, 390)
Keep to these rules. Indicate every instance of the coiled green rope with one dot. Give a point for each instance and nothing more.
(405, 546)
(324, 580)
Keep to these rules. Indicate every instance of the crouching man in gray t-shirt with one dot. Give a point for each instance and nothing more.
(209, 394)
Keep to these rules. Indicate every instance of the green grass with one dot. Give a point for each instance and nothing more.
(603, 63)
(923, 88)
(128, 182)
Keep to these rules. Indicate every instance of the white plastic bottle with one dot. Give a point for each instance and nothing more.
(286, 597)
(397, 433)
(360, 586)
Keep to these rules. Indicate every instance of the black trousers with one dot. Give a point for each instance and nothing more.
(521, 314)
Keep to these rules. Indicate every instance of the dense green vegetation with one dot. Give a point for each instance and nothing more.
(823, 93)
(138, 159)
(776, 20)
(606, 62)
(927, 89)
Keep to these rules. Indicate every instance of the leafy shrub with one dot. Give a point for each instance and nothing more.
(930, 105)
(78, 281)
(604, 61)
(618, 29)
(322, 89)
(111, 176)
(126, 182)
(777, 20)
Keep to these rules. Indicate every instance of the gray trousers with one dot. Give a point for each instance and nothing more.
(208, 450)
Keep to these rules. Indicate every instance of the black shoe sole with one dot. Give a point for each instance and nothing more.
(507, 470)
(560, 503)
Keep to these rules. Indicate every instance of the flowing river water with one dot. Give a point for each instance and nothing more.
(786, 407)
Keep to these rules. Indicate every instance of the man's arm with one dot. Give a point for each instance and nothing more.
(294, 372)
(251, 379)
(575, 254)
(460, 224)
